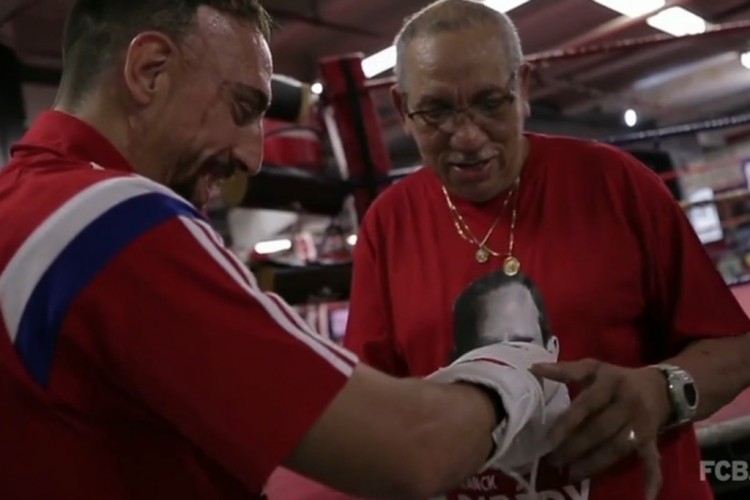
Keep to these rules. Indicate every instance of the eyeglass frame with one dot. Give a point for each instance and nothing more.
(508, 98)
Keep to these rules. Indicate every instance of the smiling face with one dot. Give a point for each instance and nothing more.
(479, 152)
(202, 119)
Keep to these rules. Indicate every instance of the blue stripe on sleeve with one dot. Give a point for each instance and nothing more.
(77, 265)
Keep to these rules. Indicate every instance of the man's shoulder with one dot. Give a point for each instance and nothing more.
(47, 186)
(57, 204)
(125, 199)
(589, 156)
(35, 178)
(60, 239)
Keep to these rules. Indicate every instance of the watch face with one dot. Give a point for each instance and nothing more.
(691, 396)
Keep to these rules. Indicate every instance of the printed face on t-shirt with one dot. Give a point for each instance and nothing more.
(510, 313)
(500, 308)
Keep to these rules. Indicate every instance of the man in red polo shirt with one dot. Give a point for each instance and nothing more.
(138, 358)
(624, 278)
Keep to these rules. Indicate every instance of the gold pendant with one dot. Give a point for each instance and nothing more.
(482, 255)
(511, 266)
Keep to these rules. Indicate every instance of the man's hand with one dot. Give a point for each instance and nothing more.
(618, 411)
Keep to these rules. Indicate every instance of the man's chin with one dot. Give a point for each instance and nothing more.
(475, 193)
(485, 191)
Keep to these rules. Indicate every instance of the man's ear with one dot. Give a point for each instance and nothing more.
(524, 78)
(146, 64)
(553, 345)
(400, 103)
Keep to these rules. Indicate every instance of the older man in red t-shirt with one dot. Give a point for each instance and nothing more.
(626, 282)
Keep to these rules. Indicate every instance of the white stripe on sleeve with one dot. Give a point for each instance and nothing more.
(32, 259)
(340, 358)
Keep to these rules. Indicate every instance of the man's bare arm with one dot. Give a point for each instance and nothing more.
(384, 437)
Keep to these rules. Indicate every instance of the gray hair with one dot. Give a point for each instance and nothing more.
(454, 15)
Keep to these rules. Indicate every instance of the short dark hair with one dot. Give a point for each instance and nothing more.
(97, 30)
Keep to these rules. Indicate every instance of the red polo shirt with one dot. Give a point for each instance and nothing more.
(138, 358)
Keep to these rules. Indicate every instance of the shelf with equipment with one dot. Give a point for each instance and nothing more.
(295, 189)
(325, 156)
(304, 284)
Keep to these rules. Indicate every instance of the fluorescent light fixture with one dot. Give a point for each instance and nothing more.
(631, 118)
(379, 62)
(352, 239)
(632, 8)
(745, 59)
(677, 22)
(316, 88)
(382, 61)
(504, 5)
(273, 246)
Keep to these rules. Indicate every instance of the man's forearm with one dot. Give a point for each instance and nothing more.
(383, 437)
(455, 417)
(720, 368)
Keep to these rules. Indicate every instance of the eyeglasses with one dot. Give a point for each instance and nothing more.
(483, 112)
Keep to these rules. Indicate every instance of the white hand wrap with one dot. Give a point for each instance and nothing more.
(504, 368)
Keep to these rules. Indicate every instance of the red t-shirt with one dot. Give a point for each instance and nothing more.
(622, 273)
(138, 358)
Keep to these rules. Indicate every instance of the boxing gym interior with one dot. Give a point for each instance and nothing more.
(666, 80)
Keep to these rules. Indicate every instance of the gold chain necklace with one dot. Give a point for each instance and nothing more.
(511, 264)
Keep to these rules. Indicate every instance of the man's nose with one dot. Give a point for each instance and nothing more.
(249, 147)
(467, 135)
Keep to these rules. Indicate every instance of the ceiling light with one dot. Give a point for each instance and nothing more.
(384, 60)
(352, 239)
(273, 246)
(631, 118)
(677, 22)
(632, 8)
(504, 5)
(316, 88)
(745, 59)
(379, 62)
